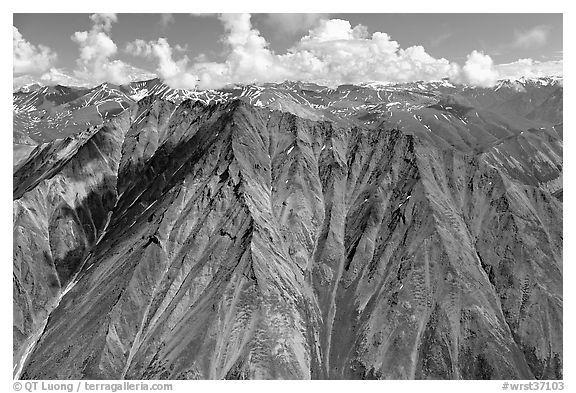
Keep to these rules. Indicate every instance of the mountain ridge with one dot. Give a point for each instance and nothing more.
(30, 86)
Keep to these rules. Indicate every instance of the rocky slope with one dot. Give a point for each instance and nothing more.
(184, 240)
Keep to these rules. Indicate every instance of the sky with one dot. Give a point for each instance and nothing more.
(205, 51)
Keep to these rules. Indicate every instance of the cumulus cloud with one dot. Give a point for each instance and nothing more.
(332, 53)
(479, 70)
(56, 76)
(96, 52)
(530, 68)
(29, 58)
(175, 73)
(291, 24)
(95, 63)
(103, 21)
(335, 30)
(350, 55)
(248, 60)
(181, 48)
(139, 48)
(537, 36)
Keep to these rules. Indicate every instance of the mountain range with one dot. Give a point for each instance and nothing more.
(288, 231)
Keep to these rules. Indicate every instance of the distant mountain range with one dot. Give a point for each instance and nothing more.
(42, 113)
(376, 231)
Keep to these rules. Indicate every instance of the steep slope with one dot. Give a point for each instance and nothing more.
(63, 194)
(249, 243)
(158, 272)
(428, 298)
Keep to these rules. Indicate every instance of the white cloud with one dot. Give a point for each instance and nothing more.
(175, 73)
(29, 58)
(249, 59)
(334, 30)
(332, 53)
(96, 51)
(54, 76)
(181, 48)
(57, 76)
(95, 64)
(349, 55)
(139, 48)
(537, 36)
(530, 68)
(103, 21)
(291, 24)
(479, 70)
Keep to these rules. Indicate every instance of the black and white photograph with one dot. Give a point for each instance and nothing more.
(287, 196)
